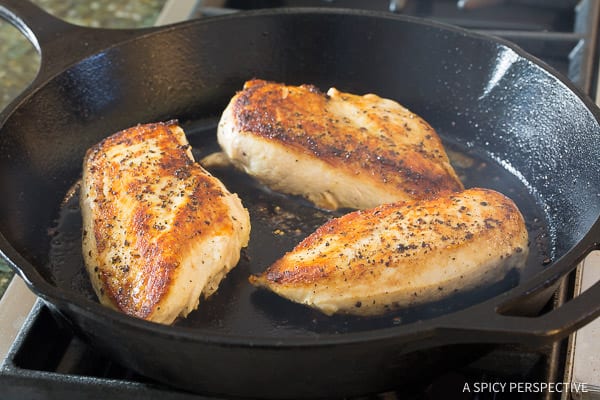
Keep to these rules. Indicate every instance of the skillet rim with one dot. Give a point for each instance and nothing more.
(61, 299)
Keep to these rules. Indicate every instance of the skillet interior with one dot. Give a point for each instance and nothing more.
(484, 98)
(279, 222)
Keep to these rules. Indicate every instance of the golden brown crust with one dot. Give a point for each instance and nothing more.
(150, 205)
(382, 257)
(397, 148)
(433, 217)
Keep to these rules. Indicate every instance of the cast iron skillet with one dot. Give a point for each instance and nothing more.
(515, 126)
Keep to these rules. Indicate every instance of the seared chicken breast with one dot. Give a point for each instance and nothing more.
(158, 230)
(336, 149)
(402, 254)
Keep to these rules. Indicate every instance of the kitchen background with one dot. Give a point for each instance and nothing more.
(19, 60)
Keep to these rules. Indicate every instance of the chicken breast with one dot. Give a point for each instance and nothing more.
(158, 230)
(402, 254)
(336, 149)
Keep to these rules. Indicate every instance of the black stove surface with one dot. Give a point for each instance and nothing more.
(524, 15)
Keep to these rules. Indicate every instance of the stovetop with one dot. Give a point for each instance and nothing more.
(47, 361)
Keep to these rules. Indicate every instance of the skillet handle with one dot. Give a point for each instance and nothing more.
(539, 330)
(552, 326)
(60, 43)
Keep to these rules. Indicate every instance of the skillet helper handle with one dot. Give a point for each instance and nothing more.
(539, 330)
(552, 326)
(59, 43)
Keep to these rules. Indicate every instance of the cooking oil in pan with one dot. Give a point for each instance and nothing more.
(279, 222)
